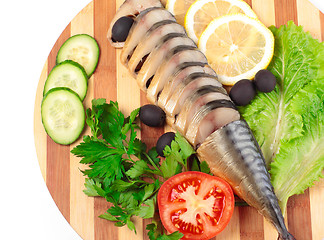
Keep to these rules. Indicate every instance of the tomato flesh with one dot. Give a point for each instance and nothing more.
(197, 204)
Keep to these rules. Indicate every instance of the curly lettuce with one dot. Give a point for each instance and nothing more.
(288, 122)
(300, 161)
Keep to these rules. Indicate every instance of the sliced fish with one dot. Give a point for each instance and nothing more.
(158, 55)
(176, 56)
(143, 23)
(130, 8)
(152, 39)
(180, 74)
(209, 118)
(186, 89)
(194, 102)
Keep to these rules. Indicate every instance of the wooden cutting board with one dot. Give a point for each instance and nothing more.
(61, 170)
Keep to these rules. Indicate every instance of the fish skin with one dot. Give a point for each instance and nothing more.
(233, 154)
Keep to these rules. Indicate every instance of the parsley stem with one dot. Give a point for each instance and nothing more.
(153, 164)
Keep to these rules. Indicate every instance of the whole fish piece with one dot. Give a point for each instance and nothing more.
(233, 154)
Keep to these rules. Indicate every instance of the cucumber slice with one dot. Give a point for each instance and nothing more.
(68, 74)
(63, 115)
(81, 48)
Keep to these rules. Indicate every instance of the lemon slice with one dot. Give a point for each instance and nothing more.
(237, 47)
(179, 8)
(202, 12)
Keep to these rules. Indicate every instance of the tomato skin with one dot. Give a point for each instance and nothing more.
(195, 203)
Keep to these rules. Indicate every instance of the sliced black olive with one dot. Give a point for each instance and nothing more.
(242, 92)
(152, 115)
(121, 29)
(265, 81)
(163, 141)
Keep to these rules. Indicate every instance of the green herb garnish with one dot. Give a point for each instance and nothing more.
(122, 170)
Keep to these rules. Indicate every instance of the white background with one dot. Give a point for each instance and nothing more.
(28, 30)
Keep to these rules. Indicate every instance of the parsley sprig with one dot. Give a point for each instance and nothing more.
(123, 171)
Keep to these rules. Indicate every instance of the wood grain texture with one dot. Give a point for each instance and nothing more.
(298, 205)
(105, 86)
(58, 157)
(111, 80)
(82, 222)
(285, 10)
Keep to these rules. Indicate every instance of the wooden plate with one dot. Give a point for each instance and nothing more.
(61, 170)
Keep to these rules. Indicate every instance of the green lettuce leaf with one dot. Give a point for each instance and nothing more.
(300, 161)
(288, 122)
(296, 62)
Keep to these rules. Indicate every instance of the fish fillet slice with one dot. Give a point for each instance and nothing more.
(209, 118)
(130, 8)
(192, 105)
(158, 55)
(182, 72)
(144, 21)
(186, 89)
(150, 41)
(178, 55)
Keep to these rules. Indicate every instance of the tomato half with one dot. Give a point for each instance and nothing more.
(197, 204)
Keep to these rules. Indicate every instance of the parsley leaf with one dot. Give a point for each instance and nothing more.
(123, 171)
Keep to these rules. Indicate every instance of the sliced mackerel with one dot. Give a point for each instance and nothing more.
(180, 74)
(186, 89)
(144, 21)
(158, 55)
(193, 103)
(150, 41)
(209, 118)
(176, 56)
(130, 8)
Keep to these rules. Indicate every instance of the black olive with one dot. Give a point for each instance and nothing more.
(121, 29)
(265, 81)
(152, 115)
(164, 140)
(242, 92)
